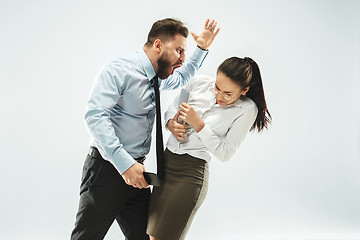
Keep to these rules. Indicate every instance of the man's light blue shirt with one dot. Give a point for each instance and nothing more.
(121, 111)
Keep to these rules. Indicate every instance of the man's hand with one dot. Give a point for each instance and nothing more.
(177, 129)
(134, 176)
(205, 39)
(188, 115)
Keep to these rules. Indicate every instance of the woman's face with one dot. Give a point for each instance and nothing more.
(227, 91)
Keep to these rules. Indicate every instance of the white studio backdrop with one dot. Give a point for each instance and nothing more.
(297, 180)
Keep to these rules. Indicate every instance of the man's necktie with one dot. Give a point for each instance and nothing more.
(159, 137)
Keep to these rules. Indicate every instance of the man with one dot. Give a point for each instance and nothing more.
(120, 116)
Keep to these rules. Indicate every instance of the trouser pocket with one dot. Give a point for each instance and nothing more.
(90, 172)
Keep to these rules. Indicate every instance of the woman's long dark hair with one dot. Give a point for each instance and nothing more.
(246, 73)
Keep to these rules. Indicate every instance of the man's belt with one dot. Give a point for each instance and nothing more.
(94, 152)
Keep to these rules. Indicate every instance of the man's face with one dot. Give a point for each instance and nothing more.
(172, 57)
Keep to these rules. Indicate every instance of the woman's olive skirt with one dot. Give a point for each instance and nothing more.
(174, 204)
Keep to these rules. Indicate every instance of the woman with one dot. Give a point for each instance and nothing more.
(218, 116)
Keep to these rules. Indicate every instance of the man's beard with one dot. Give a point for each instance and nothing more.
(164, 67)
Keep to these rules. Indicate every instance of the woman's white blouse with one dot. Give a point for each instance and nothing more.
(225, 126)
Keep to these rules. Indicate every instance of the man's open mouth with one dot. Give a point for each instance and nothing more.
(175, 67)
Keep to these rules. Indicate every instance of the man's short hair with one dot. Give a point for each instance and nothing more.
(166, 30)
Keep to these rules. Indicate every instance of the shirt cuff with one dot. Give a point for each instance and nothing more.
(198, 56)
(122, 162)
(205, 133)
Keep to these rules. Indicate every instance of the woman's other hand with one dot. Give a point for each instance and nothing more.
(177, 129)
(188, 115)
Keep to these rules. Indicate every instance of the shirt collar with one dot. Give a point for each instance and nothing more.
(146, 63)
(238, 103)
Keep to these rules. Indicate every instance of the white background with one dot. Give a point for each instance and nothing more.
(297, 180)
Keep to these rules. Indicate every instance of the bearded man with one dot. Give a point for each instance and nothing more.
(120, 116)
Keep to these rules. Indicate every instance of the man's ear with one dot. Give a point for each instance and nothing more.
(158, 45)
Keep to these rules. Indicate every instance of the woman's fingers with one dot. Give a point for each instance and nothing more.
(175, 118)
(182, 108)
(180, 131)
(185, 105)
(181, 137)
